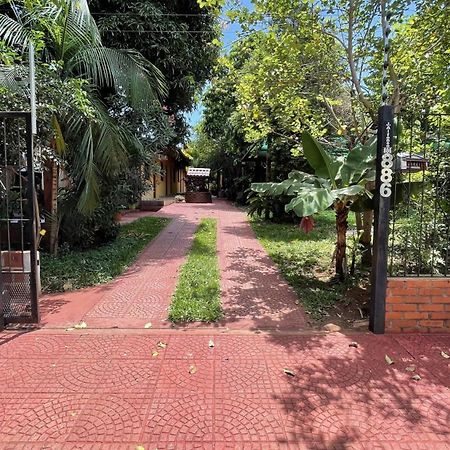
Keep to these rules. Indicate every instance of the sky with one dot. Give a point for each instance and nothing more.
(230, 34)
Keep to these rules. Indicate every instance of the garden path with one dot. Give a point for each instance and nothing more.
(254, 294)
(259, 380)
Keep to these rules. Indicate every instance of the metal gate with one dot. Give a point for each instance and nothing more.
(18, 221)
(419, 223)
(412, 202)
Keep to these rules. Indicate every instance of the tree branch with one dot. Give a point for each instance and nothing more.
(362, 98)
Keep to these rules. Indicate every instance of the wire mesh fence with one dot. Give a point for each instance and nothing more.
(18, 259)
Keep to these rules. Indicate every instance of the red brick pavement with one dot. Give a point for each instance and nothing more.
(214, 388)
(254, 294)
(105, 389)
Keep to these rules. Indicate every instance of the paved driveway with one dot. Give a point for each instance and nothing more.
(258, 380)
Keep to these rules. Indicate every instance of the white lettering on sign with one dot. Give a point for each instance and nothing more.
(387, 161)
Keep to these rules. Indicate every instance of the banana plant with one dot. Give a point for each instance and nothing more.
(337, 182)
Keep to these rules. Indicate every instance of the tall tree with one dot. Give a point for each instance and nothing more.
(87, 139)
(177, 36)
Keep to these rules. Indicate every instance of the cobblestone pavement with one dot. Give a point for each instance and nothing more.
(259, 380)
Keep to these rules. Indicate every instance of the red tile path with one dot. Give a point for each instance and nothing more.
(102, 388)
(254, 295)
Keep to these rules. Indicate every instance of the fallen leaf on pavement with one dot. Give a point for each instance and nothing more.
(139, 447)
(353, 344)
(148, 325)
(416, 377)
(445, 355)
(161, 344)
(80, 325)
(289, 372)
(211, 343)
(410, 368)
(192, 369)
(155, 354)
(388, 360)
(70, 329)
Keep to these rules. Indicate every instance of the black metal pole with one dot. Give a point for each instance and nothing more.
(32, 219)
(382, 200)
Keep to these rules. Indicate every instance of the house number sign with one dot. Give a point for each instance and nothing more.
(387, 162)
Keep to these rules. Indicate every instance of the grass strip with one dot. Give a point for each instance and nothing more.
(78, 269)
(197, 295)
(305, 260)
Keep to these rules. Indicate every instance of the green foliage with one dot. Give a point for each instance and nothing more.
(305, 260)
(336, 179)
(70, 50)
(177, 37)
(420, 55)
(78, 269)
(271, 207)
(197, 296)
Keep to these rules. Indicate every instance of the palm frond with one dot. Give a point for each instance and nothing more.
(13, 32)
(126, 72)
(99, 151)
(85, 173)
(80, 29)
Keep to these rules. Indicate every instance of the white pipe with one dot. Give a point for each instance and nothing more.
(32, 87)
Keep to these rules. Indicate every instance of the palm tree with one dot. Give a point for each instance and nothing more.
(65, 34)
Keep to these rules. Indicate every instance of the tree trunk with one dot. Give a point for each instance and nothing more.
(359, 222)
(341, 244)
(53, 210)
(366, 239)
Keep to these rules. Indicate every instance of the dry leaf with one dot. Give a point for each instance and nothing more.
(353, 344)
(211, 343)
(139, 447)
(80, 325)
(289, 372)
(148, 325)
(445, 355)
(192, 369)
(161, 344)
(70, 329)
(416, 377)
(155, 354)
(73, 413)
(410, 368)
(388, 360)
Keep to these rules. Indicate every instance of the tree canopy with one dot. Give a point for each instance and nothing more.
(177, 37)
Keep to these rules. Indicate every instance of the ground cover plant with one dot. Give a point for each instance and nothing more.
(78, 269)
(304, 259)
(197, 296)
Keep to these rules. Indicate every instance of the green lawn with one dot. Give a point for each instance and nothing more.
(305, 260)
(78, 269)
(197, 296)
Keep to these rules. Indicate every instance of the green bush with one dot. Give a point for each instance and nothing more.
(269, 207)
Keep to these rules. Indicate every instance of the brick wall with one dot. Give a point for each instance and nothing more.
(418, 305)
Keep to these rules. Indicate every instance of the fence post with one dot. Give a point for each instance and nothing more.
(383, 192)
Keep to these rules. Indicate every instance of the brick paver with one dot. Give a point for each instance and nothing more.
(86, 388)
(222, 387)
(254, 294)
